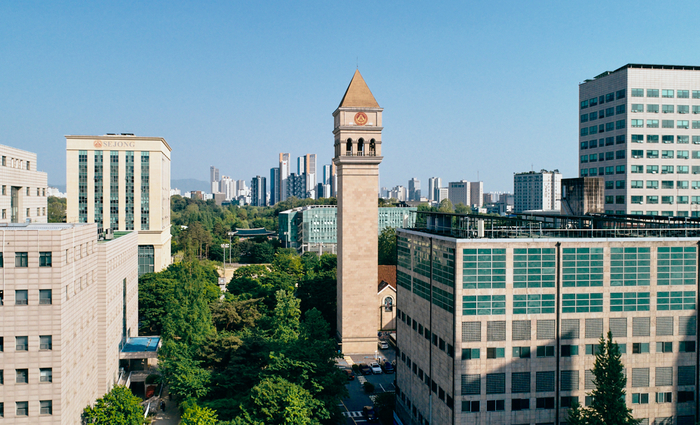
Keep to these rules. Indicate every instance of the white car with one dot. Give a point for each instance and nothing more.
(376, 369)
(383, 345)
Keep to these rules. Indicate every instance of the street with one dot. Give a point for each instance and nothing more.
(352, 406)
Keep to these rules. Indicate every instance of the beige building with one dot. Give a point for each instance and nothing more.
(24, 189)
(122, 183)
(498, 320)
(68, 302)
(358, 148)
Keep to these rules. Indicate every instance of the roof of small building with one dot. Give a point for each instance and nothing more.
(387, 277)
(249, 233)
(358, 94)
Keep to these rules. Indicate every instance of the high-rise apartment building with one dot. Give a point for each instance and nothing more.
(296, 186)
(122, 183)
(258, 191)
(214, 179)
(68, 304)
(228, 187)
(284, 166)
(434, 183)
(414, 189)
(476, 194)
(459, 192)
(639, 129)
(274, 185)
(498, 319)
(537, 191)
(24, 189)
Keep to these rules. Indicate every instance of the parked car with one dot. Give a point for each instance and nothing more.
(369, 414)
(365, 369)
(351, 375)
(376, 369)
(383, 345)
(388, 367)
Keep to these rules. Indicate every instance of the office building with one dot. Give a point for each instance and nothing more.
(274, 185)
(228, 187)
(258, 191)
(476, 194)
(357, 132)
(214, 179)
(296, 186)
(68, 304)
(498, 318)
(314, 228)
(284, 166)
(442, 193)
(639, 129)
(334, 180)
(414, 190)
(539, 191)
(434, 183)
(122, 183)
(24, 189)
(459, 192)
(399, 193)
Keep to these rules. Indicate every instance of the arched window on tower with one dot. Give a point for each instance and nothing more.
(372, 148)
(361, 147)
(348, 148)
(388, 304)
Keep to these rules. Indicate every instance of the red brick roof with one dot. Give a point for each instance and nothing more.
(387, 276)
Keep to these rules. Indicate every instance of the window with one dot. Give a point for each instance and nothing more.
(21, 297)
(682, 94)
(664, 347)
(652, 199)
(495, 353)
(22, 376)
(21, 259)
(495, 405)
(45, 342)
(640, 347)
(569, 350)
(637, 93)
(667, 93)
(667, 109)
(46, 407)
(686, 396)
(653, 108)
(584, 104)
(584, 145)
(667, 123)
(650, 123)
(545, 402)
(470, 406)
(664, 397)
(609, 97)
(569, 401)
(667, 184)
(652, 154)
(637, 200)
(620, 154)
(620, 94)
(521, 352)
(667, 154)
(619, 184)
(636, 169)
(584, 158)
(667, 169)
(682, 155)
(22, 408)
(45, 375)
(637, 107)
(44, 259)
(640, 398)
(520, 404)
(686, 347)
(592, 349)
(470, 353)
(682, 184)
(609, 112)
(545, 351)
(637, 123)
(593, 102)
(683, 109)
(653, 138)
(609, 184)
(44, 296)
(682, 169)
(637, 184)
(681, 199)
(683, 140)
(683, 124)
(496, 383)
(483, 305)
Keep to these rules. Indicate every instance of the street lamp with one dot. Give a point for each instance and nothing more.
(230, 235)
(224, 246)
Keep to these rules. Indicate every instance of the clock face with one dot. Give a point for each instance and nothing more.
(360, 118)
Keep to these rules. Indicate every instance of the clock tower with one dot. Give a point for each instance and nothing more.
(358, 148)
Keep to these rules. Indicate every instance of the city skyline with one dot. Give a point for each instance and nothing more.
(61, 63)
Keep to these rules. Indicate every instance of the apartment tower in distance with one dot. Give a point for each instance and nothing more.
(122, 183)
(639, 128)
(23, 197)
(537, 191)
(357, 132)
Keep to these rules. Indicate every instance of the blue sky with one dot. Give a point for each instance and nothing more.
(467, 87)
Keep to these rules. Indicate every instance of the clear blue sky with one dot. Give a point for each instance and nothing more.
(465, 86)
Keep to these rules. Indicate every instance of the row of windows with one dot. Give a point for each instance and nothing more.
(638, 123)
(22, 376)
(39, 191)
(22, 259)
(425, 378)
(22, 407)
(620, 94)
(666, 109)
(639, 138)
(16, 163)
(602, 128)
(667, 93)
(603, 113)
(22, 297)
(619, 169)
(639, 153)
(569, 380)
(654, 184)
(571, 328)
(22, 343)
(654, 199)
(425, 332)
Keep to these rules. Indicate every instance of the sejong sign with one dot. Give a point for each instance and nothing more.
(99, 144)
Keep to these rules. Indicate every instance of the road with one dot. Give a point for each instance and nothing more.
(352, 406)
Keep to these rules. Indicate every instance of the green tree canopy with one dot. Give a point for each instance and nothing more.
(117, 407)
(387, 247)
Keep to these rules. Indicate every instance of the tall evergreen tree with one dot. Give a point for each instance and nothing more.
(608, 406)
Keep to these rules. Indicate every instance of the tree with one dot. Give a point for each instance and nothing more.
(117, 407)
(387, 247)
(460, 208)
(277, 401)
(608, 406)
(196, 415)
(446, 206)
(57, 210)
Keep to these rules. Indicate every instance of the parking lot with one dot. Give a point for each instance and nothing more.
(352, 406)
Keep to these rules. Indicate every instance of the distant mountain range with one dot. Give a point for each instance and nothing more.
(185, 185)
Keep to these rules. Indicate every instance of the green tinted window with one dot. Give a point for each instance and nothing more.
(676, 265)
(533, 304)
(582, 267)
(473, 305)
(534, 267)
(582, 303)
(629, 301)
(483, 268)
(676, 300)
(630, 266)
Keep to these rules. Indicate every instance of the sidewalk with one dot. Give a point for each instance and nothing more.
(171, 416)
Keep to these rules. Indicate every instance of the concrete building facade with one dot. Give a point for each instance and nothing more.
(434, 183)
(67, 305)
(258, 191)
(639, 129)
(357, 132)
(122, 183)
(537, 191)
(24, 189)
(501, 326)
(414, 190)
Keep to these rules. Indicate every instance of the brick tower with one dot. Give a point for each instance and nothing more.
(358, 148)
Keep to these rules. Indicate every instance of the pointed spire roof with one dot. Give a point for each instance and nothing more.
(358, 94)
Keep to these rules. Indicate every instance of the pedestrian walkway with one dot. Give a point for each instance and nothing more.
(171, 416)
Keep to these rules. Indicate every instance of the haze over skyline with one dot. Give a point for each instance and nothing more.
(465, 87)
